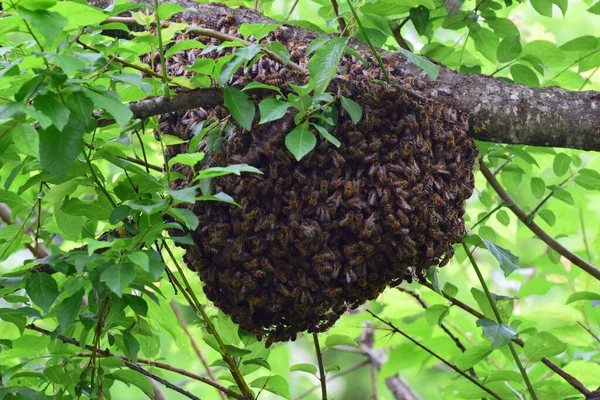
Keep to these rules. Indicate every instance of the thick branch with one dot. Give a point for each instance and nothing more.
(500, 111)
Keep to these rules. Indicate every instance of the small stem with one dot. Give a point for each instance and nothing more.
(574, 63)
(488, 214)
(448, 363)
(346, 371)
(589, 77)
(194, 344)
(503, 67)
(97, 181)
(322, 378)
(341, 21)
(589, 331)
(548, 196)
(134, 160)
(161, 51)
(585, 241)
(499, 319)
(291, 10)
(233, 367)
(373, 50)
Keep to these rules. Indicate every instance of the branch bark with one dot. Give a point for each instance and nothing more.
(500, 111)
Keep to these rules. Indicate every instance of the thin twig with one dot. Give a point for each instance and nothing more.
(589, 331)
(38, 251)
(132, 160)
(373, 49)
(443, 360)
(585, 240)
(340, 20)
(195, 304)
(321, 368)
(289, 14)
(454, 338)
(225, 37)
(128, 364)
(194, 344)
(539, 232)
(574, 63)
(488, 214)
(548, 196)
(499, 319)
(335, 376)
(161, 52)
(559, 371)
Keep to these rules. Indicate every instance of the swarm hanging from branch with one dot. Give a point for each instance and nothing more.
(315, 237)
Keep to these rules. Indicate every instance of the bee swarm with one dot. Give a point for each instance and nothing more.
(314, 238)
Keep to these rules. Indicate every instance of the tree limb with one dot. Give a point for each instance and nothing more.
(499, 111)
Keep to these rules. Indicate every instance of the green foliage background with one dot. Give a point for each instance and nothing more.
(68, 198)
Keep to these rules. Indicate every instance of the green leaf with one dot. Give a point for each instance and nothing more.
(131, 346)
(508, 261)
(51, 107)
(26, 140)
(432, 70)
(588, 179)
(486, 42)
(420, 18)
(538, 187)
(15, 317)
(49, 24)
(300, 141)
(55, 374)
(503, 218)
(184, 45)
(563, 195)
(274, 384)
(58, 150)
(79, 14)
(340, 340)
(259, 31)
(204, 66)
(309, 368)
(503, 27)
(134, 378)
(473, 355)
(352, 108)
(595, 9)
(561, 164)
(323, 65)
(166, 10)
(81, 109)
(543, 7)
(118, 277)
(524, 75)
(316, 44)
(504, 376)
(548, 216)
(93, 210)
(327, 136)
(231, 169)
(581, 43)
(137, 304)
(258, 85)
(280, 50)
(258, 361)
(189, 159)
(42, 289)
(499, 334)
(120, 112)
(240, 106)
(543, 344)
(69, 225)
(68, 310)
(579, 296)
(272, 110)
(509, 49)
(450, 289)
(436, 313)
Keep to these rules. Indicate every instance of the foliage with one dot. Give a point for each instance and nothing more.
(76, 169)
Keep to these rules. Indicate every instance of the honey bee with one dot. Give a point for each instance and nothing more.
(335, 198)
(295, 292)
(347, 220)
(370, 225)
(324, 268)
(248, 283)
(402, 217)
(355, 136)
(283, 157)
(247, 225)
(275, 80)
(412, 121)
(279, 185)
(225, 20)
(323, 257)
(355, 202)
(338, 160)
(266, 265)
(281, 277)
(355, 152)
(299, 176)
(348, 189)
(216, 159)
(266, 222)
(350, 275)
(259, 273)
(323, 187)
(252, 215)
(333, 292)
(392, 221)
(308, 230)
(251, 264)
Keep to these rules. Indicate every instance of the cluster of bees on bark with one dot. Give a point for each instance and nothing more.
(314, 238)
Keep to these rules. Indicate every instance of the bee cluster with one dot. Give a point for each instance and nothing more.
(314, 238)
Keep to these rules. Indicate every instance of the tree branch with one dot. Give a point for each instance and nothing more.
(559, 371)
(448, 363)
(535, 228)
(499, 111)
